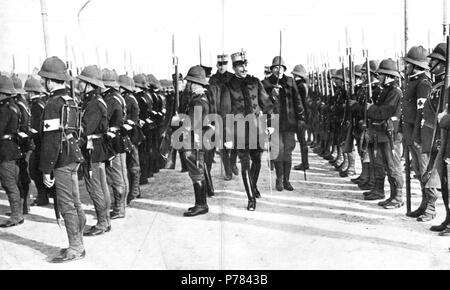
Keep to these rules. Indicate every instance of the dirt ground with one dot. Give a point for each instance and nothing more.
(323, 224)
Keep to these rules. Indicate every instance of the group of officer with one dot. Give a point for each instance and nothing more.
(101, 126)
(385, 115)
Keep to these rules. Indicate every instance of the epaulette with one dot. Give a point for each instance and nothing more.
(14, 109)
(102, 102)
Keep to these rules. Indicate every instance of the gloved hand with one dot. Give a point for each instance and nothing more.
(276, 90)
(48, 181)
(228, 144)
(269, 131)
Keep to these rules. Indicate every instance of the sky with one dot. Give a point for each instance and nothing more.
(136, 35)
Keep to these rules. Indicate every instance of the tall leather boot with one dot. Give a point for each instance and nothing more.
(254, 175)
(430, 209)
(377, 191)
(209, 187)
(364, 174)
(26, 195)
(279, 168)
(251, 206)
(340, 158)
(368, 183)
(335, 158)
(329, 154)
(344, 163)
(446, 221)
(421, 210)
(233, 161)
(287, 172)
(201, 206)
(227, 164)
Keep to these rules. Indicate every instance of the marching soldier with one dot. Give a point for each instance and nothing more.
(289, 105)
(418, 109)
(37, 103)
(60, 155)
(94, 147)
(116, 169)
(245, 94)
(301, 77)
(126, 89)
(10, 151)
(194, 97)
(385, 139)
(219, 79)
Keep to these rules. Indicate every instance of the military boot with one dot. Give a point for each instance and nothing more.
(287, 172)
(343, 165)
(251, 206)
(391, 195)
(444, 224)
(209, 186)
(377, 192)
(201, 206)
(350, 170)
(279, 173)
(421, 210)
(16, 217)
(305, 163)
(397, 200)
(430, 210)
(254, 175)
(364, 174)
(367, 184)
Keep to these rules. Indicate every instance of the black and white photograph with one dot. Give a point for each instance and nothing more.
(224, 135)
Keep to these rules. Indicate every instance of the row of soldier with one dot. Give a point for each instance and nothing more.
(385, 116)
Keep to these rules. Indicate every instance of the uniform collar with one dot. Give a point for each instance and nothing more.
(58, 92)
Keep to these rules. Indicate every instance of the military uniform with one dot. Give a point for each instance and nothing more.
(135, 134)
(61, 156)
(289, 106)
(10, 151)
(193, 99)
(246, 96)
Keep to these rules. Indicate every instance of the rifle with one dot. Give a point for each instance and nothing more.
(348, 118)
(364, 142)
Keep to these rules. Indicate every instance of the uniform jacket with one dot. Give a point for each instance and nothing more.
(417, 87)
(132, 109)
(95, 124)
(25, 125)
(385, 114)
(57, 151)
(116, 117)
(9, 125)
(37, 109)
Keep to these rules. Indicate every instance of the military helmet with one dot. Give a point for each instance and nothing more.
(278, 61)
(154, 81)
(92, 75)
(55, 69)
(196, 74)
(388, 67)
(109, 78)
(140, 81)
(300, 71)
(126, 82)
(33, 85)
(6, 87)
(339, 75)
(440, 52)
(417, 55)
(373, 66)
(18, 84)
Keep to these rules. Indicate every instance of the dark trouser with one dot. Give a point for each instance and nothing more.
(209, 158)
(195, 164)
(9, 177)
(134, 170)
(117, 177)
(285, 146)
(144, 160)
(251, 169)
(303, 146)
(68, 197)
(98, 190)
(24, 180)
(388, 158)
(229, 158)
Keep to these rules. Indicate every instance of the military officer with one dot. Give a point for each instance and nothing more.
(288, 104)
(245, 95)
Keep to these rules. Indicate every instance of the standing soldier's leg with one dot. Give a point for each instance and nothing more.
(394, 172)
(289, 146)
(134, 170)
(244, 157)
(195, 163)
(233, 161)
(36, 176)
(94, 188)
(209, 157)
(9, 177)
(377, 192)
(227, 164)
(24, 183)
(116, 180)
(255, 168)
(303, 150)
(143, 162)
(444, 188)
(67, 191)
(279, 162)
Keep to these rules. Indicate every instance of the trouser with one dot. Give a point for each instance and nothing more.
(68, 198)
(250, 167)
(144, 160)
(98, 190)
(9, 178)
(24, 179)
(388, 159)
(209, 157)
(195, 164)
(284, 146)
(43, 193)
(116, 174)
(134, 171)
(303, 146)
(229, 158)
